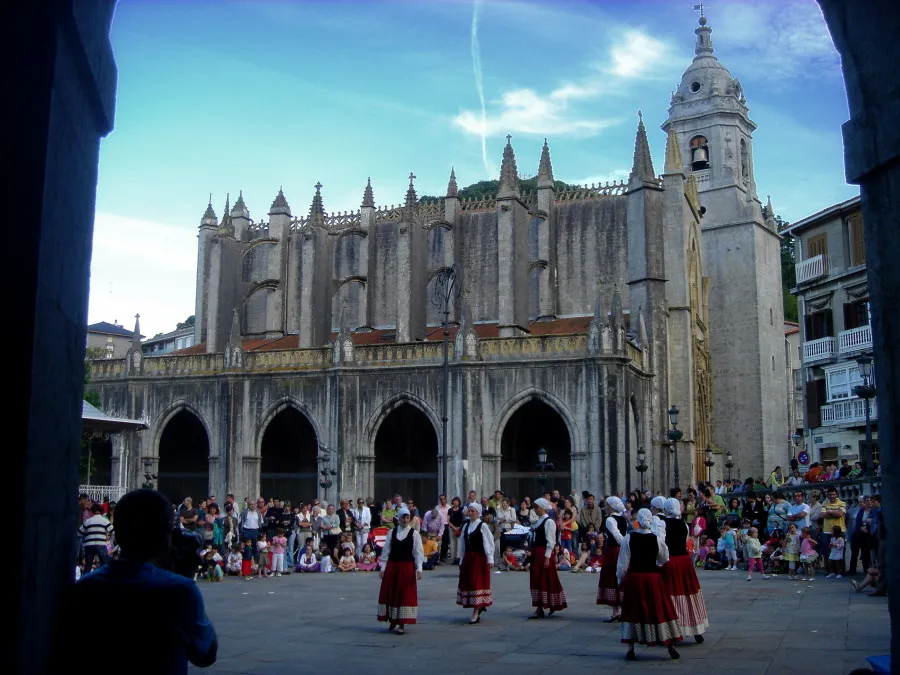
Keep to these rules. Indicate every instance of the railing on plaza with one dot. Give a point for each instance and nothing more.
(849, 490)
(100, 492)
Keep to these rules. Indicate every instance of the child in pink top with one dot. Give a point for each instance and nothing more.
(808, 553)
(279, 546)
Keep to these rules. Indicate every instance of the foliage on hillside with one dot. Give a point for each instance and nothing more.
(489, 188)
(788, 264)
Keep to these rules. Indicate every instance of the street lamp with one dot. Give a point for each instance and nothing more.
(149, 476)
(866, 391)
(544, 468)
(324, 458)
(642, 467)
(709, 464)
(445, 291)
(675, 435)
(729, 463)
(797, 439)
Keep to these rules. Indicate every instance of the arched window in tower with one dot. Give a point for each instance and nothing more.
(745, 162)
(247, 266)
(699, 153)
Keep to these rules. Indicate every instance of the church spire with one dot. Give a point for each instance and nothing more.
(642, 168)
(412, 200)
(509, 175)
(239, 210)
(452, 189)
(136, 336)
(280, 205)
(209, 216)
(368, 195)
(674, 163)
(545, 168)
(316, 210)
(704, 45)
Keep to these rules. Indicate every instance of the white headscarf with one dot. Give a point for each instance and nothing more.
(658, 503)
(673, 508)
(644, 518)
(543, 503)
(615, 504)
(402, 511)
(476, 506)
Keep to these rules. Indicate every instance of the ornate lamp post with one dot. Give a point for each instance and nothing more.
(447, 285)
(323, 458)
(709, 464)
(675, 435)
(544, 468)
(149, 476)
(729, 463)
(866, 391)
(642, 467)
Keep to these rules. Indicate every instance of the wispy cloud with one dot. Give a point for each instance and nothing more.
(479, 86)
(140, 266)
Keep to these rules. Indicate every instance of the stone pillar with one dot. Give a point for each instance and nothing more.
(404, 281)
(250, 483)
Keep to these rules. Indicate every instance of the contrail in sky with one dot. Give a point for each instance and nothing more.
(479, 85)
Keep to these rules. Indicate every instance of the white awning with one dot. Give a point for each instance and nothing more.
(95, 420)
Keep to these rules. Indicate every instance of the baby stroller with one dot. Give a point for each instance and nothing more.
(377, 535)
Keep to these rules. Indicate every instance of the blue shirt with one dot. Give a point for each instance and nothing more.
(161, 621)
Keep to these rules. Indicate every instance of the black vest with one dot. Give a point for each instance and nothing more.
(401, 549)
(539, 535)
(676, 536)
(474, 540)
(644, 549)
(621, 523)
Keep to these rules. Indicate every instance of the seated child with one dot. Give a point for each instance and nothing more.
(702, 551)
(233, 562)
(584, 556)
(347, 563)
(510, 562)
(368, 561)
(432, 551)
(325, 562)
(715, 559)
(212, 563)
(308, 562)
(563, 558)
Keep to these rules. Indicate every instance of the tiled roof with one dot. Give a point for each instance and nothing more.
(568, 326)
(108, 328)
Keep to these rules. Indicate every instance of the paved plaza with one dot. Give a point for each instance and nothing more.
(316, 623)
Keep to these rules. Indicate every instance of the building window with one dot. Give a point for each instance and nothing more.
(247, 266)
(857, 240)
(773, 363)
(817, 245)
(819, 325)
(771, 317)
(856, 314)
(840, 382)
(699, 153)
(745, 162)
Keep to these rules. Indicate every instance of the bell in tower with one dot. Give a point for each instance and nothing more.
(699, 154)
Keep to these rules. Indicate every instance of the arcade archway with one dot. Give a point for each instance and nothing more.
(95, 465)
(288, 466)
(406, 449)
(533, 426)
(184, 459)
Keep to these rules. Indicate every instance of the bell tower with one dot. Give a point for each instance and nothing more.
(741, 255)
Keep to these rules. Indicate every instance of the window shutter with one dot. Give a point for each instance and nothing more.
(817, 245)
(857, 240)
(813, 414)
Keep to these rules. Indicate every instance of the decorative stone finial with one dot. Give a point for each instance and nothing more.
(674, 163)
(412, 199)
(642, 166)
(545, 168)
(368, 195)
(280, 205)
(509, 175)
(452, 189)
(316, 210)
(704, 45)
(235, 337)
(136, 336)
(239, 210)
(209, 216)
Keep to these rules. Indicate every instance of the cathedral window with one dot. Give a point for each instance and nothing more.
(699, 153)
(247, 266)
(745, 162)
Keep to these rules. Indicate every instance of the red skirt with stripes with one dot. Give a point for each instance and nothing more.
(648, 615)
(398, 599)
(474, 588)
(608, 591)
(681, 582)
(546, 590)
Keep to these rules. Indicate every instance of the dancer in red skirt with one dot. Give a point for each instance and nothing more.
(546, 590)
(401, 566)
(614, 529)
(680, 576)
(476, 548)
(648, 615)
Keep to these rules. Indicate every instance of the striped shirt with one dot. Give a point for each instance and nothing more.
(94, 530)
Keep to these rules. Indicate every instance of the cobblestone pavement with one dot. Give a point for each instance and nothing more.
(326, 623)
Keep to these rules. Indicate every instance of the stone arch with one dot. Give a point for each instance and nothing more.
(166, 416)
(523, 397)
(286, 450)
(391, 404)
(276, 407)
(352, 291)
(179, 472)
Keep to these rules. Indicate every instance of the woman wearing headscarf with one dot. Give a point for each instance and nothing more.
(401, 566)
(657, 507)
(476, 547)
(680, 577)
(614, 529)
(546, 590)
(648, 615)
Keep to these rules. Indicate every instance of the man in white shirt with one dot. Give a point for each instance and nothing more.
(444, 509)
(798, 512)
(362, 522)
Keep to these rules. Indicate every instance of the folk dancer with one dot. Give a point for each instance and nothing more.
(657, 508)
(546, 590)
(614, 529)
(680, 576)
(476, 547)
(648, 615)
(401, 567)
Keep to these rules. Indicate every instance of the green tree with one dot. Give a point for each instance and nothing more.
(489, 188)
(186, 323)
(788, 266)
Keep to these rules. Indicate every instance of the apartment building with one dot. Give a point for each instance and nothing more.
(835, 331)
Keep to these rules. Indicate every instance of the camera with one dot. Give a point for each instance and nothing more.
(185, 552)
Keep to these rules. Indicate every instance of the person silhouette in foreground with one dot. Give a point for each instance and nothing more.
(160, 620)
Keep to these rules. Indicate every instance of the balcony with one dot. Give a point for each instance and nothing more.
(821, 350)
(851, 413)
(810, 269)
(855, 341)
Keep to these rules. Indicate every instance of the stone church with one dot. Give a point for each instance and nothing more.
(574, 319)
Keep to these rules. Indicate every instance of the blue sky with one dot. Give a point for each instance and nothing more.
(217, 97)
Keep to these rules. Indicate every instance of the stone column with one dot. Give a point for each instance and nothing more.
(250, 469)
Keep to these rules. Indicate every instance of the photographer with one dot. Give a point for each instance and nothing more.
(164, 624)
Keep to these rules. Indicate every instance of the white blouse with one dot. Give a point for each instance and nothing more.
(613, 528)
(402, 533)
(658, 526)
(662, 555)
(486, 537)
(549, 526)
